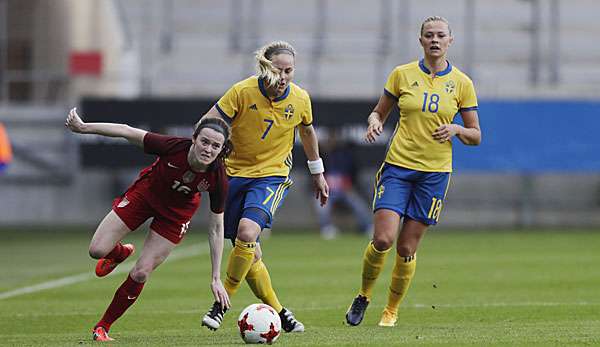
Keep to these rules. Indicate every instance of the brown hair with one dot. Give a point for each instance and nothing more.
(219, 125)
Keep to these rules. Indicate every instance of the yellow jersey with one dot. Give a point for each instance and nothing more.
(263, 129)
(425, 103)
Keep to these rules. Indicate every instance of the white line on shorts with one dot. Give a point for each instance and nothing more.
(178, 253)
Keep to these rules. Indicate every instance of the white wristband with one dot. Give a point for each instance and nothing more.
(316, 166)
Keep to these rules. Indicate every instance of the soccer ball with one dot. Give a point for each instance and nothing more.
(259, 323)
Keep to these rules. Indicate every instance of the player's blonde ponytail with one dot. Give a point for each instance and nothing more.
(264, 68)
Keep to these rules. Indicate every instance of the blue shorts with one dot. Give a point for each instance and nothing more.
(248, 194)
(415, 194)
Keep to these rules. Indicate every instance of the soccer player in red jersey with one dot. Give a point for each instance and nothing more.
(168, 191)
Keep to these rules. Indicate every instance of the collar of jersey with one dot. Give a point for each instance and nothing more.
(441, 73)
(261, 86)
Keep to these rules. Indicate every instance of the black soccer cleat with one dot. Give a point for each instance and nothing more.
(357, 310)
(213, 318)
(289, 323)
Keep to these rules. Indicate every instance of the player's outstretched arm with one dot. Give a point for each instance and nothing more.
(215, 242)
(311, 149)
(77, 125)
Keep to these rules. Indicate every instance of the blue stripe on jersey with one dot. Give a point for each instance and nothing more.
(388, 93)
(474, 108)
(285, 94)
(263, 90)
(441, 73)
(225, 115)
(261, 86)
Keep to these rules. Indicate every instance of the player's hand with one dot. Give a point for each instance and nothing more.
(445, 132)
(74, 122)
(220, 293)
(374, 129)
(321, 188)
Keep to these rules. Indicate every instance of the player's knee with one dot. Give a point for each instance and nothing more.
(382, 242)
(141, 273)
(405, 250)
(245, 235)
(253, 221)
(248, 231)
(97, 252)
(142, 270)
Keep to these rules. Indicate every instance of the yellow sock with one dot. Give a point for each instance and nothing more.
(373, 261)
(240, 260)
(403, 272)
(260, 282)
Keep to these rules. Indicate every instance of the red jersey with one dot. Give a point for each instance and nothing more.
(171, 186)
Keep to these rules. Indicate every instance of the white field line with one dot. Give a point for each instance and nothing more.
(178, 253)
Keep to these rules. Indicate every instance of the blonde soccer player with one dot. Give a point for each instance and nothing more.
(412, 183)
(264, 112)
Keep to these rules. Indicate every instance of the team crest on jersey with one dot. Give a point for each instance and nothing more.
(288, 113)
(203, 186)
(380, 191)
(450, 86)
(188, 177)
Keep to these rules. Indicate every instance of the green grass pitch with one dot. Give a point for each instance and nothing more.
(488, 288)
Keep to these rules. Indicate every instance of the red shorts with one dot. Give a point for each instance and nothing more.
(134, 209)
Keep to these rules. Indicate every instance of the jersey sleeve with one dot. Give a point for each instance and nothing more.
(307, 116)
(468, 98)
(163, 144)
(392, 86)
(219, 193)
(229, 104)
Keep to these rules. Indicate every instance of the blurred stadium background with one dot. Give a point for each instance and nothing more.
(160, 64)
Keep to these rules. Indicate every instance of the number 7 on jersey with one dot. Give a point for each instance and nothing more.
(269, 126)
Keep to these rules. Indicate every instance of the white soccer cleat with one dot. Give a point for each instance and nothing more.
(214, 317)
(289, 323)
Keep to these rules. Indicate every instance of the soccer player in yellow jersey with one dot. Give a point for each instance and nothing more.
(413, 181)
(264, 112)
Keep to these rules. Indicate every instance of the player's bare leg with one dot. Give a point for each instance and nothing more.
(386, 223)
(106, 245)
(404, 269)
(156, 250)
(110, 231)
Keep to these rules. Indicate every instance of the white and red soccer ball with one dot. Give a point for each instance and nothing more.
(259, 323)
